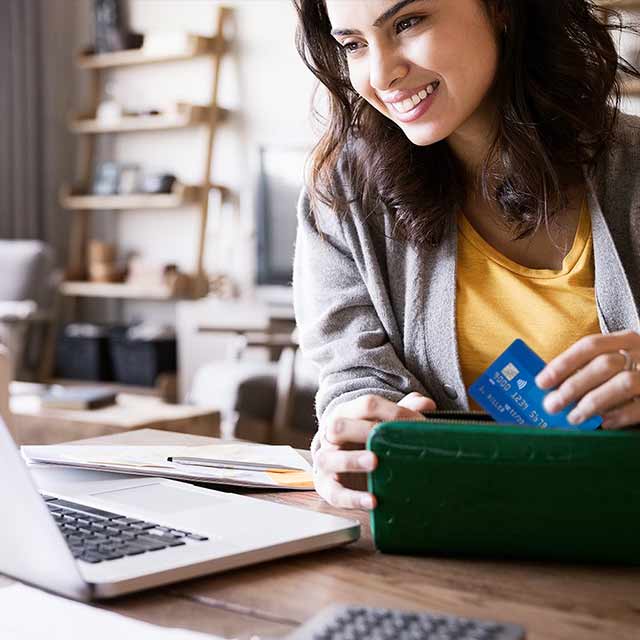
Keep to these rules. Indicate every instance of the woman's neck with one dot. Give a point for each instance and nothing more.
(546, 248)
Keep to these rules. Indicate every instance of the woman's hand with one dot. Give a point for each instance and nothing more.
(601, 373)
(344, 434)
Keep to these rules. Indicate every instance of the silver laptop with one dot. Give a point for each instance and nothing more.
(91, 535)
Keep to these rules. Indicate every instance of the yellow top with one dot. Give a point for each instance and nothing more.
(499, 300)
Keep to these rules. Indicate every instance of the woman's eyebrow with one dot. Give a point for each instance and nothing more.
(380, 20)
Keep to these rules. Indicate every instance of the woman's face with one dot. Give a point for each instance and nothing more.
(428, 65)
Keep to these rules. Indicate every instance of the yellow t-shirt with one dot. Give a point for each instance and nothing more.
(499, 300)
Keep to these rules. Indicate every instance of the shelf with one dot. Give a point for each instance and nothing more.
(181, 196)
(620, 4)
(185, 115)
(631, 87)
(118, 290)
(196, 46)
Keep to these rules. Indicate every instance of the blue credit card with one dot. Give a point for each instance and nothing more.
(508, 393)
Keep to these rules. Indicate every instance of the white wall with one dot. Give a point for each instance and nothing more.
(268, 90)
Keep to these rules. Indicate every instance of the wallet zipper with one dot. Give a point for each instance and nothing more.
(452, 420)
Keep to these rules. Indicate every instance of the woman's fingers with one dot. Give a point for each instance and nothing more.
(376, 408)
(621, 389)
(581, 353)
(601, 369)
(338, 461)
(340, 431)
(352, 421)
(350, 424)
(338, 496)
(624, 416)
(417, 402)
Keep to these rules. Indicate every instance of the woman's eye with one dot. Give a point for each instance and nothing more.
(350, 47)
(407, 23)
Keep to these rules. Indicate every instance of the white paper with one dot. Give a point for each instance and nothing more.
(61, 619)
(156, 455)
(152, 460)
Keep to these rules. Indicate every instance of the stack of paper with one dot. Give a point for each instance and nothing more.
(249, 465)
(60, 619)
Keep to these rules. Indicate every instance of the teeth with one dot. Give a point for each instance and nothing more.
(413, 101)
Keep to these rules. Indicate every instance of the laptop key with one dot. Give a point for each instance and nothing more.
(143, 526)
(152, 537)
(132, 550)
(195, 536)
(127, 521)
(111, 555)
(149, 545)
(112, 530)
(93, 558)
(90, 510)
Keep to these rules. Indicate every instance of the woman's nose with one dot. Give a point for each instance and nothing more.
(385, 67)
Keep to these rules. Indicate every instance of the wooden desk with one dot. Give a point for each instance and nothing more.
(553, 601)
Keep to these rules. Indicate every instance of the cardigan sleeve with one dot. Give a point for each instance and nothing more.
(340, 330)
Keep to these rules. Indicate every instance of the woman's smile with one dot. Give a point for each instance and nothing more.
(416, 106)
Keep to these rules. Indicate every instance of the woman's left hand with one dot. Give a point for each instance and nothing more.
(602, 374)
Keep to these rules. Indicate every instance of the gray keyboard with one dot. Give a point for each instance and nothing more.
(367, 623)
(94, 535)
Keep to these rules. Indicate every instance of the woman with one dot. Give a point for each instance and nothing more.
(475, 183)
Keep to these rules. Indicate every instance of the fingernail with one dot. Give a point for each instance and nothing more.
(541, 379)
(366, 502)
(575, 417)
(551, 403)
(367, 461)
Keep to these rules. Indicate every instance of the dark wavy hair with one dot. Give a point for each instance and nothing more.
(559, 89)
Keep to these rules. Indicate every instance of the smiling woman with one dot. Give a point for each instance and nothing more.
(475, 183)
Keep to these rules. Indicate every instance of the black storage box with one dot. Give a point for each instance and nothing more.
(82, 353)
(140, 362)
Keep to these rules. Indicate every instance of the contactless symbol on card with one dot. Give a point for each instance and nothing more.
(508, 392)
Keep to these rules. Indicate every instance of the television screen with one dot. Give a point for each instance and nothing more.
(280, 180)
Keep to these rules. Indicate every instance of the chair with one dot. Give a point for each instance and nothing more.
(28, 300)
(271, 402)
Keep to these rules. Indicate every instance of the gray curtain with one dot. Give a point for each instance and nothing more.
(36, 42)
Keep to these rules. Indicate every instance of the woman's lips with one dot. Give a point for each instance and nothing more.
(418, 111)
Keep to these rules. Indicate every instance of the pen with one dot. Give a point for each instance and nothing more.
(237, 466)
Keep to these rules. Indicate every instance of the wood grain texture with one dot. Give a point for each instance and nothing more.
(552, 601)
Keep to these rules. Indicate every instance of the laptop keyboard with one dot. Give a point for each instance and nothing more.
(94, 535)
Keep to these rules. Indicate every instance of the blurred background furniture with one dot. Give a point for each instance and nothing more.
(28, 306)
(264, 401)
(33, 424)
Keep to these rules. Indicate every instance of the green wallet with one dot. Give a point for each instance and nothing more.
(468, 486)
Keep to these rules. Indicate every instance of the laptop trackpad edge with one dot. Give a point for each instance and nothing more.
(160, 498)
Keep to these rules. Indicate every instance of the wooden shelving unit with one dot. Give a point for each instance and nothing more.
(119, 290)
(181, 196)
(183, 117)
(621, 4)
(82, 203)
(197, 46)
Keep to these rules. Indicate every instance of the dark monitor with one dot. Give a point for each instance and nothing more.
(280, 180)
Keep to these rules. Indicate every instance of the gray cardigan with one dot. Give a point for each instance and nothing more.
(378, 316)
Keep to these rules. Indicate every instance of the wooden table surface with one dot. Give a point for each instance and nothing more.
(552, 601)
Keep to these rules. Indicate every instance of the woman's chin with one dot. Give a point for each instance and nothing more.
(425, 135)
